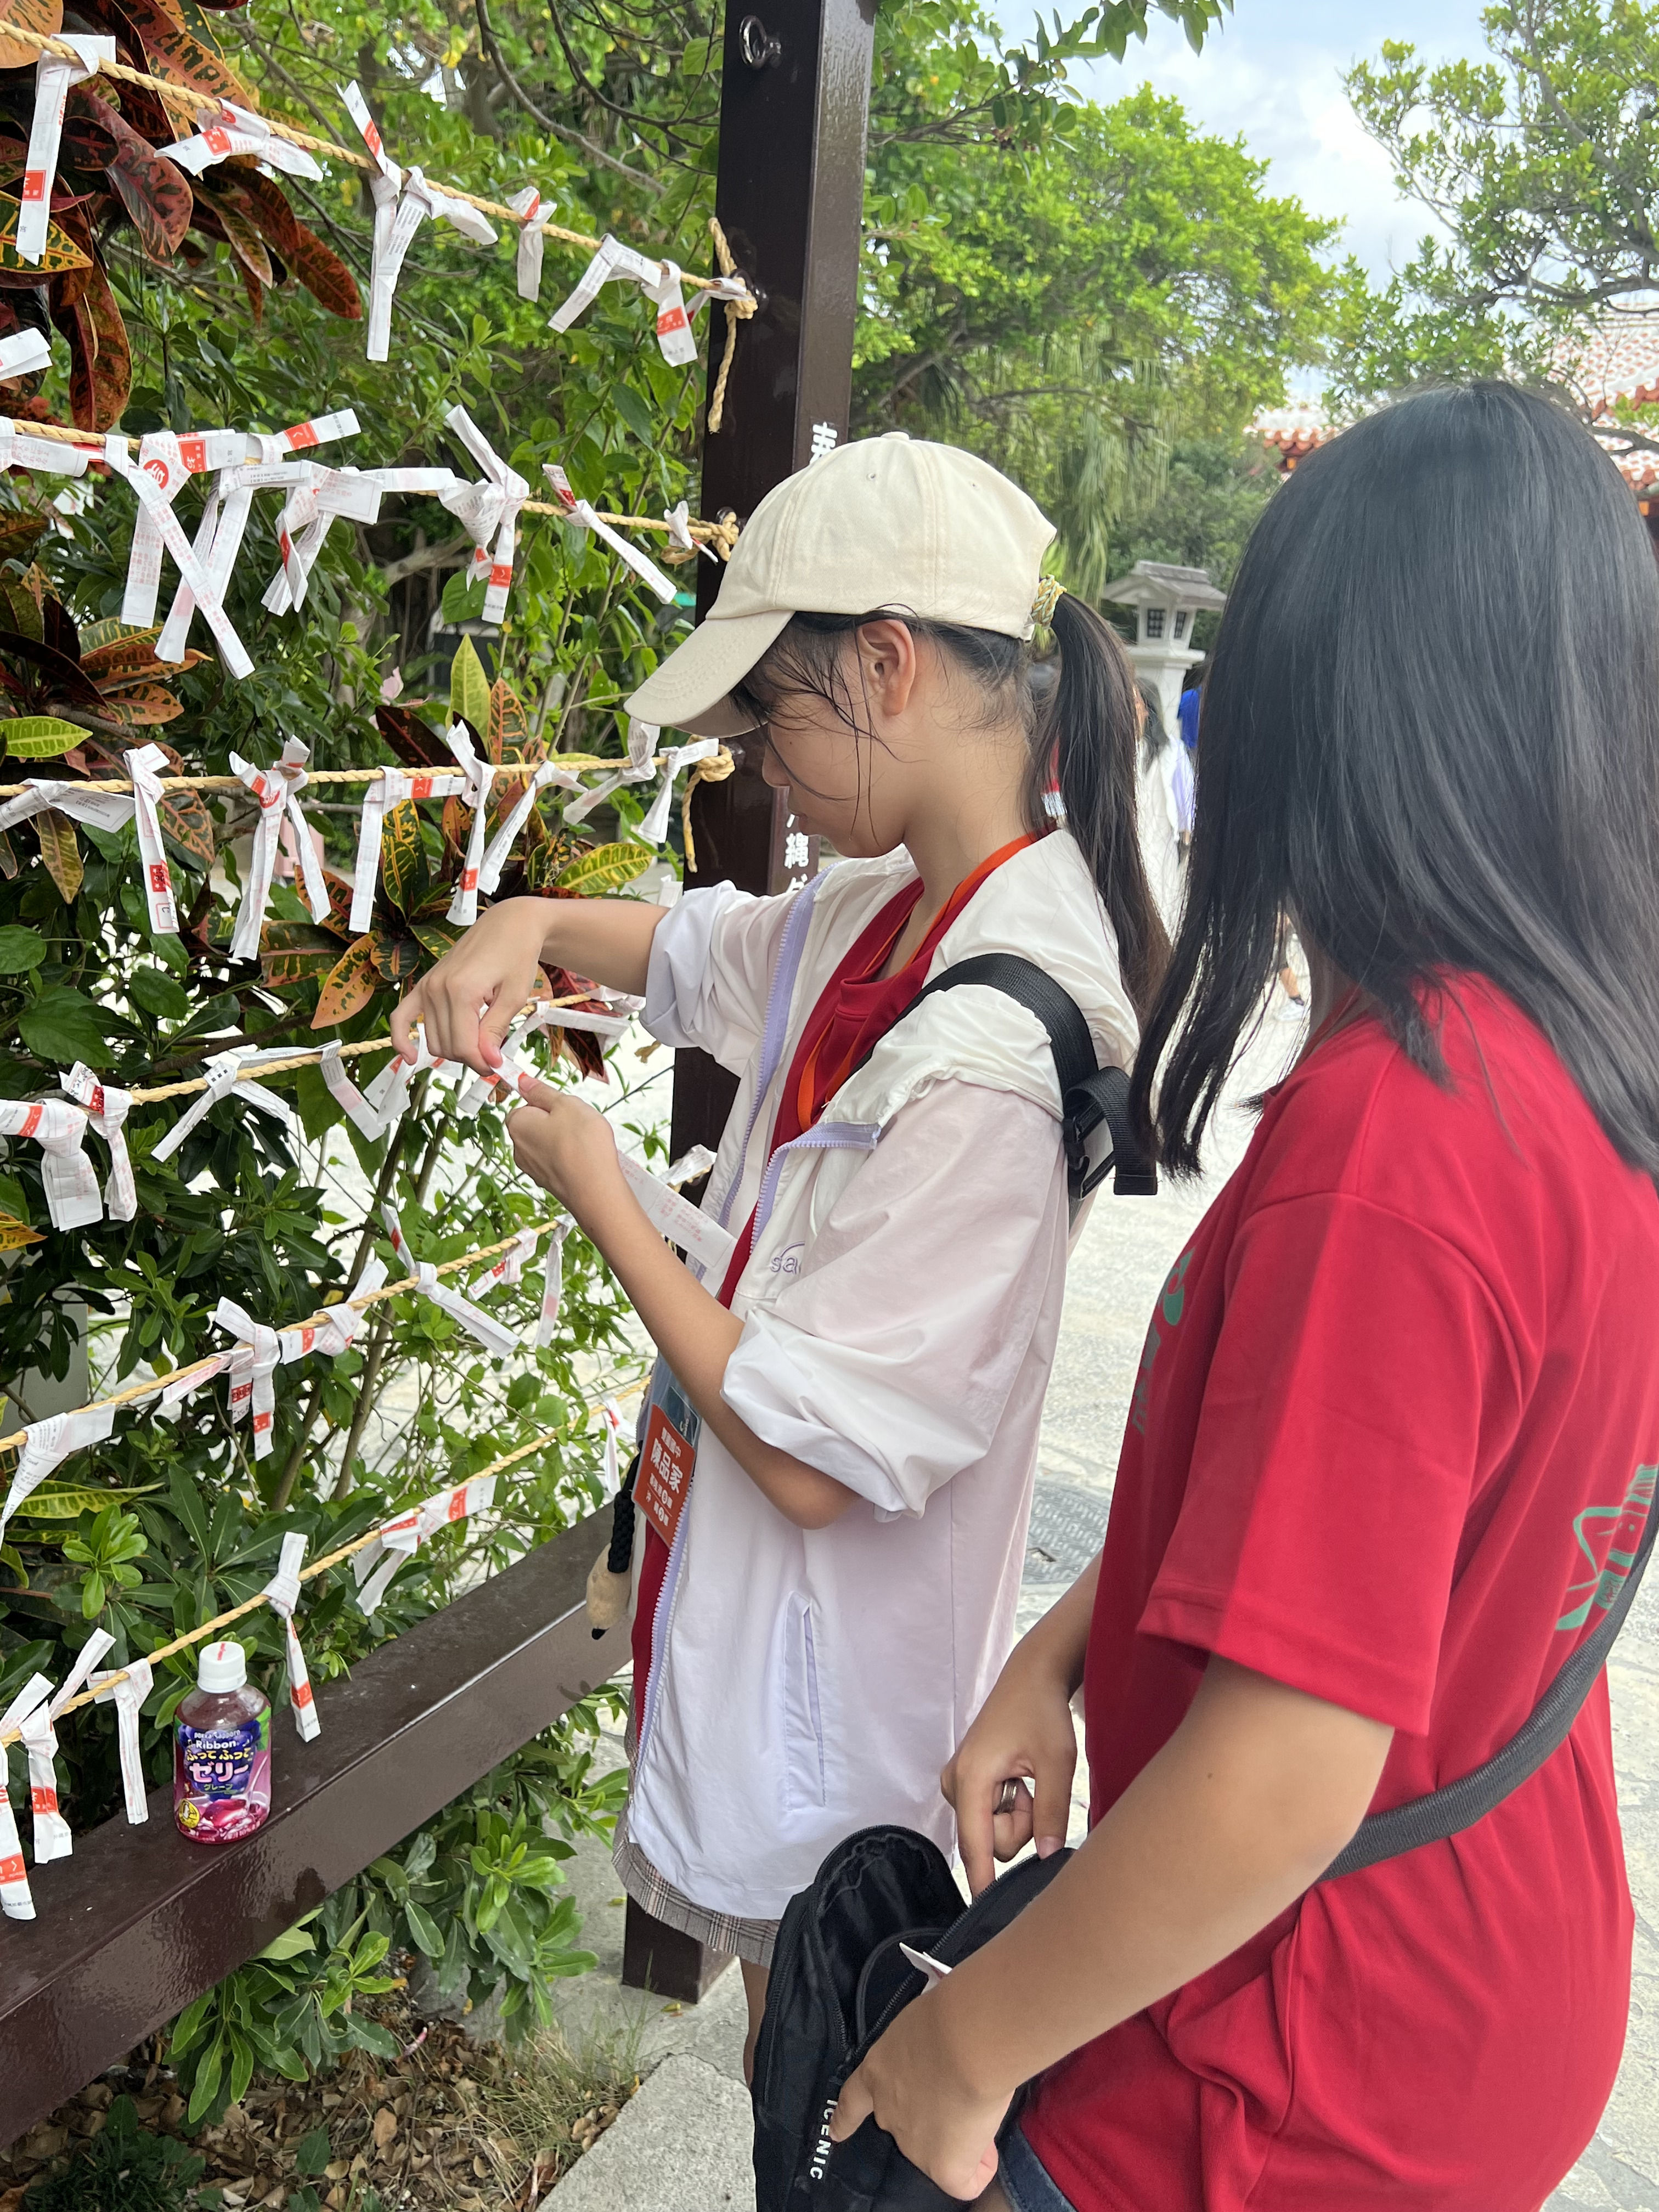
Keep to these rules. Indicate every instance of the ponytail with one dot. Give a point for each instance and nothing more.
(1085, 739)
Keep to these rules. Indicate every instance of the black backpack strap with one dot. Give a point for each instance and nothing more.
(1447, 1812)
(1090, 1094)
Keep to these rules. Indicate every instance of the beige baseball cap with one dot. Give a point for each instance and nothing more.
(892, 523)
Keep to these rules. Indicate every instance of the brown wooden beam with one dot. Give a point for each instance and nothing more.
(140, 1922)
(794, 115)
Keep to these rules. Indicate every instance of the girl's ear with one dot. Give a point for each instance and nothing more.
(889, 663)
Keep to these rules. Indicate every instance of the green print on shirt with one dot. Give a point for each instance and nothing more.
(1621, 1525)
(1172, 1302)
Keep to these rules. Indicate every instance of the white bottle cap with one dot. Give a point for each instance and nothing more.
(222, 1667)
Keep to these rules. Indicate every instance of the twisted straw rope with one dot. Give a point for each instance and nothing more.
(201, 1368)
(721, 535)
(578, 762)
(320, 1566)
(158, 1090)
(201, 103)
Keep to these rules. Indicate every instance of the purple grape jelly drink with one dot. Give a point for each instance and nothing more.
(221, 1751)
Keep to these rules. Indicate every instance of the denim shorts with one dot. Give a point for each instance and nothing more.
(1025, 2183)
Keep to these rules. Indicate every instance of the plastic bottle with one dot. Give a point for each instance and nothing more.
(221, 1751)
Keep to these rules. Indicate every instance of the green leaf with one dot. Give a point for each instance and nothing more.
(469, 687)
(20, 949)
(425, 1928)
(64, 1024)
(315, 2152)
(605, 869)
(158, 993)
(637, 416)
(41, 736)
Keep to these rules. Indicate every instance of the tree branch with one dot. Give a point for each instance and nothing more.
(572, 137)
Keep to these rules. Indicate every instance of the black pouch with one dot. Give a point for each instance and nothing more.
(838, 1980)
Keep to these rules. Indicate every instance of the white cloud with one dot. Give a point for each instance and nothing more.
(1272, 77)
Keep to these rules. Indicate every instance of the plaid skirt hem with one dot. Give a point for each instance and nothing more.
(750, 1940)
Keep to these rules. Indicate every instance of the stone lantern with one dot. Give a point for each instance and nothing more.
(1165, 600)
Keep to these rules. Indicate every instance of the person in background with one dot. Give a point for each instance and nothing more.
(1163, 803)
(1396, 1436)
(1192, 701)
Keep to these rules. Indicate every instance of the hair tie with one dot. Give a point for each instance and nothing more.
(1049, 594)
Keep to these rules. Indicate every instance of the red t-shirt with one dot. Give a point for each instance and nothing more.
(1395, 1429)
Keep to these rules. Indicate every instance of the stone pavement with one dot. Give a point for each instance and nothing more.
(682, 2144)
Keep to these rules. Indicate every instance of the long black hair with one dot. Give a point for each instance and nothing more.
(1430, 736)
(1082, 735)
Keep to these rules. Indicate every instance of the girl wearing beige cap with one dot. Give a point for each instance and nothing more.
(842, 1433)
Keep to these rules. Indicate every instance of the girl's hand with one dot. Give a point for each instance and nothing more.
(568, 1147)
(1022, 1729)
(468, 1001)
(910, 2082)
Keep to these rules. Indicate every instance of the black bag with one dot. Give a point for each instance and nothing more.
(838, 1980)
(1090, 1095)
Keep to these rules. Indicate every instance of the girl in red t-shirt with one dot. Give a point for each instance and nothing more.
(1396, 1428)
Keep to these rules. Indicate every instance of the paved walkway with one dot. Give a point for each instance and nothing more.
(682, 2145)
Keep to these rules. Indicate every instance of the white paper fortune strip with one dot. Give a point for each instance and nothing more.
(479, 775)
(674, 335)
(21, 355)
(399, 1539)
(277, 790)
(126, 1688)
(582, 511)
(53, 1839)
(552, 1286)
(252, 1367)
(158, 520)
(391, 788)
(402, 201)
(235, 131)
(15, 1902)
(319, 497)
(104, 810)
(500, 845)
(697, 1233)
(429, 1285)
(654, 827)
(46, 1444)
(509, 1268)
(71, 1188)
(362, 1116)
(106, 1110)
(334, 1333)
(489, 512)
(53, 76)
(535, 215)
(144, 767)
(256, 465)
(223, 1069)
(19, 451)
(688, 1166)
(281, 1593)
(610, 1416)
(611, 260)
(640, 767)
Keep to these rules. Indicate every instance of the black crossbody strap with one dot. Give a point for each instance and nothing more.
(1447, 1812)
(1090, 1094)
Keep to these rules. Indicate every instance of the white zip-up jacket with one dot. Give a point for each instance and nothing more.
(900, 1307)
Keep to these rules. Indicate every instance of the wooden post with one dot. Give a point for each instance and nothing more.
(794, 113)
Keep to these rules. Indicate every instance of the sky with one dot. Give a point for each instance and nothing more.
(1273, 76)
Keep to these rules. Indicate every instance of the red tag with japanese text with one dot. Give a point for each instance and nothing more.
(663, 1481)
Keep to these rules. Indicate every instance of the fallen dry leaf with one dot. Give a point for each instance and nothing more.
(386, 2126)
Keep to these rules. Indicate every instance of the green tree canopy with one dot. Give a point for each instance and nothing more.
(1542, 165)
(1070, 307)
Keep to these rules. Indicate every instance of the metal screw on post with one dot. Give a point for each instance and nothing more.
(759, 48)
